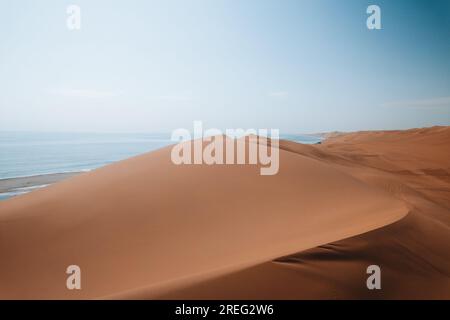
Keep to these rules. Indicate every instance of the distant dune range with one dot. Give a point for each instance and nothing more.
(145, 228)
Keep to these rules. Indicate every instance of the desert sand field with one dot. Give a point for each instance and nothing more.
(145, 228)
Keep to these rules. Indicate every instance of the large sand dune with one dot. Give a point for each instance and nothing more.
(146, 228)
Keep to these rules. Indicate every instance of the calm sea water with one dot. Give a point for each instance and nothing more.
(25, 154)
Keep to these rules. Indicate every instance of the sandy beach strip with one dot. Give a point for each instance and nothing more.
(11, 184)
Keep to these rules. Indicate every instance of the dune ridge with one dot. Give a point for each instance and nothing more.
(146, 228)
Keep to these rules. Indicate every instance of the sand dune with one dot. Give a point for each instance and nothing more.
(413, 253)
(146, 228)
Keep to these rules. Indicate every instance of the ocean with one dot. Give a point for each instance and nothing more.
(24, 154)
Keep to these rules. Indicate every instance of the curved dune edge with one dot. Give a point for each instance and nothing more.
(147, 224)
(173, 289)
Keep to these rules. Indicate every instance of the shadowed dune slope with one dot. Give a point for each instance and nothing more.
(146, 228)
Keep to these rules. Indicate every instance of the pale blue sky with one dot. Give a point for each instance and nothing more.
(300, 66)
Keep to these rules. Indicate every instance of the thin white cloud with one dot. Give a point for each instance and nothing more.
(278, 94)
(174, 98)
(83, 93)
(441, 102)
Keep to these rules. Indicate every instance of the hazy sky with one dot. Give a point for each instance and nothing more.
(300, 66)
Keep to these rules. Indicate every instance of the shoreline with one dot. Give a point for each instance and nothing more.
(15, 184)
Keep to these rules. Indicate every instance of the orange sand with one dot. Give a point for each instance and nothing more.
(146, 228)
